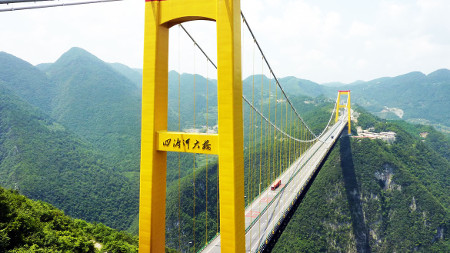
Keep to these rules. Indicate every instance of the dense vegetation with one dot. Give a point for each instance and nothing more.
(434, 139)
(422, 98)
(99, 104)
(44, 161)
(26, 81)
(84, 159)
(372, 196)
(35, 226)
(79, 150)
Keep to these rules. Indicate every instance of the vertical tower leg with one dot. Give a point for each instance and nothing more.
(338, 106)
(154, 118)
(231, 161)
(349, 113)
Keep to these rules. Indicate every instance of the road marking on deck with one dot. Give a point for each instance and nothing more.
(266, 200)
(252, 214)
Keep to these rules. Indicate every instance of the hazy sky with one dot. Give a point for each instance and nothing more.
(319, 40)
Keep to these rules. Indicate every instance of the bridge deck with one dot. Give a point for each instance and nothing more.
(268, 210)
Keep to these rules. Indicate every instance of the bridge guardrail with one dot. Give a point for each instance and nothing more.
(277, 195)
(278, 223)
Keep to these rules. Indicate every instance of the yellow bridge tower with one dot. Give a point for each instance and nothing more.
(160, 15)
(338, 106)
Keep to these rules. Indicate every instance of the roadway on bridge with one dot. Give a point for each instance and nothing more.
(266, 212)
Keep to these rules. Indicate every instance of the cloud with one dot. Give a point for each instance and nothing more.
(318, 40)
(360, 29)
(112, 31)
(336, 44)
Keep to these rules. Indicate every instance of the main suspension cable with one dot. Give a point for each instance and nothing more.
(60, 4)
(273, 74)
(198, 46)
(316, 137)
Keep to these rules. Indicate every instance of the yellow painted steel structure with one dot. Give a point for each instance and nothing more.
(338, 106)
(228, 144)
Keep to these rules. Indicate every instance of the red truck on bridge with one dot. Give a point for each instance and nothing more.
(275, 185)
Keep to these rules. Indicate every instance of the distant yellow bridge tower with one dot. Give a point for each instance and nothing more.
(339, 106)
(160, 15)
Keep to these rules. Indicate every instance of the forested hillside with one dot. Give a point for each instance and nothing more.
(26, 81)
(434, 139)
(414, 97)
(35, 226)
(135, 76)
(99, 104)
(69, 135)
(374, 197)
(44, 161)
(86, 95)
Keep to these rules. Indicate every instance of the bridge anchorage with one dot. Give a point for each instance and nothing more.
(280, 152)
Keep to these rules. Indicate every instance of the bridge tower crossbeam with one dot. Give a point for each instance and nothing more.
(347, 105)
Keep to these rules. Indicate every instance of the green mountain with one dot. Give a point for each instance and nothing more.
(86, 95)
(413, 97)
(47, 162)
(44, 66)
(434, 139)
(79, 150)
(371, 196)
(132, 74)
(26, 81)
(99, 104)
(293, 85)
(186, 98)
(35, 226)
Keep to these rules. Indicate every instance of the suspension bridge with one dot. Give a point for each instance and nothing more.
(267, 155)
(283, 153)
(267, 212)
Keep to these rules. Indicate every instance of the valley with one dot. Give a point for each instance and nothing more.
(70, 136)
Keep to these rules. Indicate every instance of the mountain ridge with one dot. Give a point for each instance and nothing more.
(408, 160)
(91, 93)
(413, 96)
(45, 161)
(18, 74)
